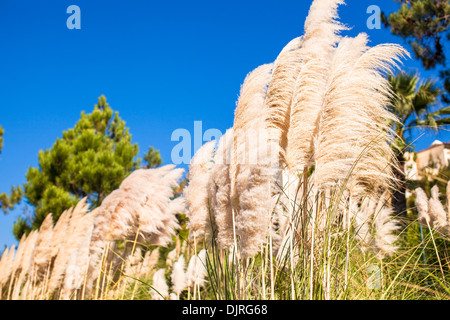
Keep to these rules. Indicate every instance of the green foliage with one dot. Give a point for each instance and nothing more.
(415, 103)
(20, 228)
(90, 160)
(445, 74)
(152, 158)
(8, 202)
(424, 25)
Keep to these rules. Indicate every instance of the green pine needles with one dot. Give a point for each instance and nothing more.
(90, 160)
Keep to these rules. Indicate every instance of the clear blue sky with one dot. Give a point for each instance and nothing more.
(161, 64)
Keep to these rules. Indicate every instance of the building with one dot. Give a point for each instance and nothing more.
(429, 160)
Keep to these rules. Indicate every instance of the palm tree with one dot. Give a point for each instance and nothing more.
(416, 105)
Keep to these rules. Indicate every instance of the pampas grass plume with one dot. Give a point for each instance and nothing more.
(196, 192)
(437, 211)
(160, 289)
(179, 276)
(196, 272)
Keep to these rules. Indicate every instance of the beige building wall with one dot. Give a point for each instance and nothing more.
(429, 160)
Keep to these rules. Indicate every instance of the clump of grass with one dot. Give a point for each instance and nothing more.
(302, 213)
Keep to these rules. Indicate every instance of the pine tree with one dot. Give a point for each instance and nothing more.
(8, 202)
(90, 160)
(424, 24)
(152, 158)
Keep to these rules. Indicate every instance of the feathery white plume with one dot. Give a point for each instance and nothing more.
(220, 192)
(279, 94)
(196, 192)
(78, 262)
(249, 125)
(160, 289)
(252, 167)
(16, 266)
(26, 263)
(196, 271)
(142, 208)
(171, 256)
(72, 238)
(42, 255)
(319, 41)
(385, 228)
(179, 276)
(362, 220)
(6, 265)
(60, 232)
(437, 211)
(352, 133)
(422, 207)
